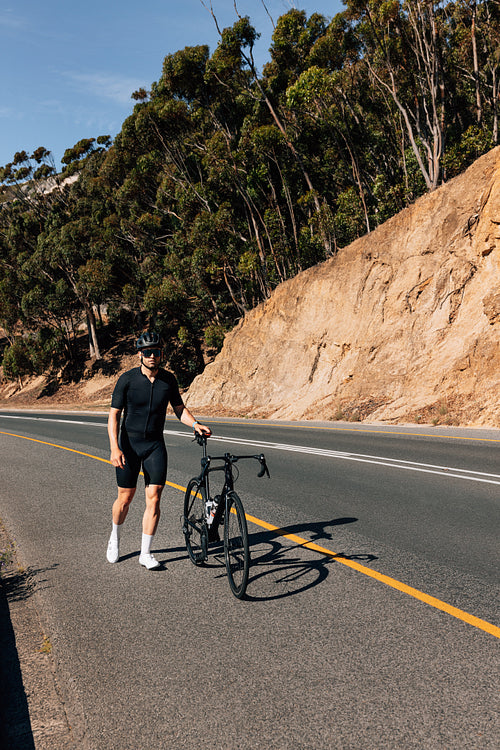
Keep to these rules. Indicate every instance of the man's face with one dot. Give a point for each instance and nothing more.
(151, 356)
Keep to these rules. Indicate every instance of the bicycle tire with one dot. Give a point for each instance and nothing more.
(194, 525)
(236, 547)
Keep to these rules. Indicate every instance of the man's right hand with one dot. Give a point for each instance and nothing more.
(117, 459)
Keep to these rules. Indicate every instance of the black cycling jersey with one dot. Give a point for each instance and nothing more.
(144, 403)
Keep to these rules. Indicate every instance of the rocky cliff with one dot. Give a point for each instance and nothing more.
(401, 325)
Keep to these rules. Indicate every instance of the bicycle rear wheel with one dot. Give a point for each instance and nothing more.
(236, 549)
(194, 525)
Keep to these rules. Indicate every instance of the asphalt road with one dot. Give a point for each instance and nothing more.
(384, 635)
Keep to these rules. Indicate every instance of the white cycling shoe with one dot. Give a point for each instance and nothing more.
(113, 553)
(149, 562)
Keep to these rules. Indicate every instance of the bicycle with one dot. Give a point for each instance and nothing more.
(204, 514)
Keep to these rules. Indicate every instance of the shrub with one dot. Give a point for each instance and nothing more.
(214, 336)
(16, 360)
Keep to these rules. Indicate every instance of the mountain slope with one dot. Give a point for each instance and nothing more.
(402, 324)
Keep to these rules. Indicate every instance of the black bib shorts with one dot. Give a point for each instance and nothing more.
(139, 451)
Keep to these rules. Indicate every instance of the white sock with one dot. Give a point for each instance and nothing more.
(115, 531)
(146, 543)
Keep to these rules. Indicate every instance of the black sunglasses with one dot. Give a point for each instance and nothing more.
(151, 352)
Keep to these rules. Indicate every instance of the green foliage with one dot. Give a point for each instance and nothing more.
(48, 348)
(349, 217)
(474, 142)
(214, 335)
(16, 361)
(33, 354)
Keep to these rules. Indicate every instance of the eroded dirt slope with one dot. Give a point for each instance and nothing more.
(401, 325)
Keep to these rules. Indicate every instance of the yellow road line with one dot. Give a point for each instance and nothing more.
(80, 453)
(54, 445)
(387, 580)
(392, 582)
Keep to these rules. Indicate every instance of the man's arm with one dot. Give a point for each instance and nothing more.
(184, 415)
(117, 458)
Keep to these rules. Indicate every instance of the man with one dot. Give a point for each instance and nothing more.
(143, 394)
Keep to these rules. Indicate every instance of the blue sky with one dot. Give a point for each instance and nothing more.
(69, 68)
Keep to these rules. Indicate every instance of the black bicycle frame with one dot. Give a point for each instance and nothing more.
(227, 468)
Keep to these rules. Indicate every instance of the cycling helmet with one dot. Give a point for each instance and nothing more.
(147, 339)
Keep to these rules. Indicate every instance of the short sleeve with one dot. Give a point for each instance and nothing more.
(118, 397)
(175, 397)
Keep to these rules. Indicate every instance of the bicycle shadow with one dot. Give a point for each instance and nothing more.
(279, 573)
(274, 568)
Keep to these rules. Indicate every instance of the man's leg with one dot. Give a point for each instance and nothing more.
(122, 504)
(150, 524)
(120, 510)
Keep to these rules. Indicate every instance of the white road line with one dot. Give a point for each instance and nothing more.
(393, 463)
(47, 419)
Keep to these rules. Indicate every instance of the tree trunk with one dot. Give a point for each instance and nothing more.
(91, 327)
(496, 96)
(479, 113)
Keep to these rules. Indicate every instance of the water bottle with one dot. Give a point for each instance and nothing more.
(208, 512)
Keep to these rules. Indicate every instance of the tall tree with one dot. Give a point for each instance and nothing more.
(401, 44)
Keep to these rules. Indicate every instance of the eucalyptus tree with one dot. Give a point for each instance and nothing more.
(474, 51)
(183, 205)
(33, 314)
(292, 41)
(402, 43)
(72, 251)
(21, 220)
(46, 226)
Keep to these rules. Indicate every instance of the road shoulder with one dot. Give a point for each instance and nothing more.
(32, 712)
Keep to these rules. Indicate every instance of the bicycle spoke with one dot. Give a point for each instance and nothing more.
(194, 526)
(236, 549)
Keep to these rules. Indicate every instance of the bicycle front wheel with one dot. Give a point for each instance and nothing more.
(194, 525)
(236, 549)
